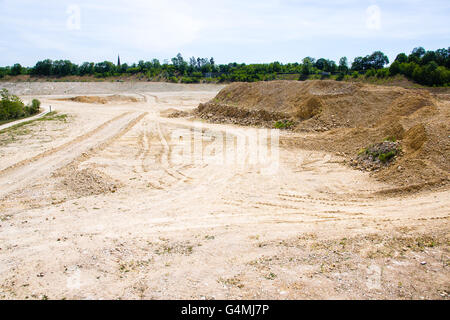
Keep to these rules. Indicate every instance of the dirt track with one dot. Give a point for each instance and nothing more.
(95, 208)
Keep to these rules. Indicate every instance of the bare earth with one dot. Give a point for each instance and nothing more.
(91, 207)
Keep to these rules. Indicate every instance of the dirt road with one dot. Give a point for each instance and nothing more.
(95, 207)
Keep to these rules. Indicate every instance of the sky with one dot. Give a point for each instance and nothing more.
(243, 31)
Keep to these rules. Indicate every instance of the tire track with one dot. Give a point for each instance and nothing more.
(61, 147)
(80, 149)
(164, 156)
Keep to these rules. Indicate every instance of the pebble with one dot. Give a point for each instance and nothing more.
(423, 263)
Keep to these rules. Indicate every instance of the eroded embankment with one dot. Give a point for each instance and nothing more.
(346, 117)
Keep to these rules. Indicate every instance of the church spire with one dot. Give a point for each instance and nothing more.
(118, 60)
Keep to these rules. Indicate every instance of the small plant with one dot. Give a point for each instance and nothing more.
(284, 124)
(377, 155)
(385, 157)
(271, 276)
(362, 151)
(391, 139)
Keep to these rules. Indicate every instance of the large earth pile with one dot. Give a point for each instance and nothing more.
(102, 99)
(345, 117)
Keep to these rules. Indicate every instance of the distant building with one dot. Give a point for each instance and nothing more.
(118, 61)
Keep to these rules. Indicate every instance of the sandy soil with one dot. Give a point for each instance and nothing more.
(92, 207)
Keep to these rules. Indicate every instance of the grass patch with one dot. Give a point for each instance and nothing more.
(385, 157)
(11, 120)
(51, 116)
(284, 124)
(391, 139)
(11, 134)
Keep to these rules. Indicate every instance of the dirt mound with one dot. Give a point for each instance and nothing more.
(312, 107)
(232, 114)
(87, 182)
(174, 113)
(102, 100)
(317, 105)
(345, 117)
(416, 137)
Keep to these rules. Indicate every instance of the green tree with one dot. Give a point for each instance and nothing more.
(418, 52)
(360, 64)
(394, 68)
(43, 68)
(105, 68)
(401, 58)
(377, 60)
(307, 66)
(87, 68)
(63, 68)
(343, 65)
(16, 70)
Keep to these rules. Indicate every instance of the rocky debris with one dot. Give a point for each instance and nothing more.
(221, 113)
(178, 114)
(377, 156)
(87, 182)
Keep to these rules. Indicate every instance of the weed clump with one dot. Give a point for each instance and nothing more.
(377, 155)
(284, 124)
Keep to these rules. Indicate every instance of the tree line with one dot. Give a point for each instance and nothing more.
(425, 67)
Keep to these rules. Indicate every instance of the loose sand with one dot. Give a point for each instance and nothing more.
(92, 208)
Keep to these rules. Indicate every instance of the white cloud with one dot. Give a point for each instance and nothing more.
(373, 17)
(161, 28)
(144, 25)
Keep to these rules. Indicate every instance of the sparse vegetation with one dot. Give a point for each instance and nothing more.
(271, 276)
(11, 134)
(284, 124)
(51, 116)
(377, 155)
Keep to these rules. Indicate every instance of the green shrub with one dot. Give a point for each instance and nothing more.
(383, 73)
(385, 157)
(340, 77)
(284, 124)
(189, 80)
(371, 73)
(390, 138)
(11, 107)
(35, 105)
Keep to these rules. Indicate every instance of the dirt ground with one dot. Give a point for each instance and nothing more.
(93, 207)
